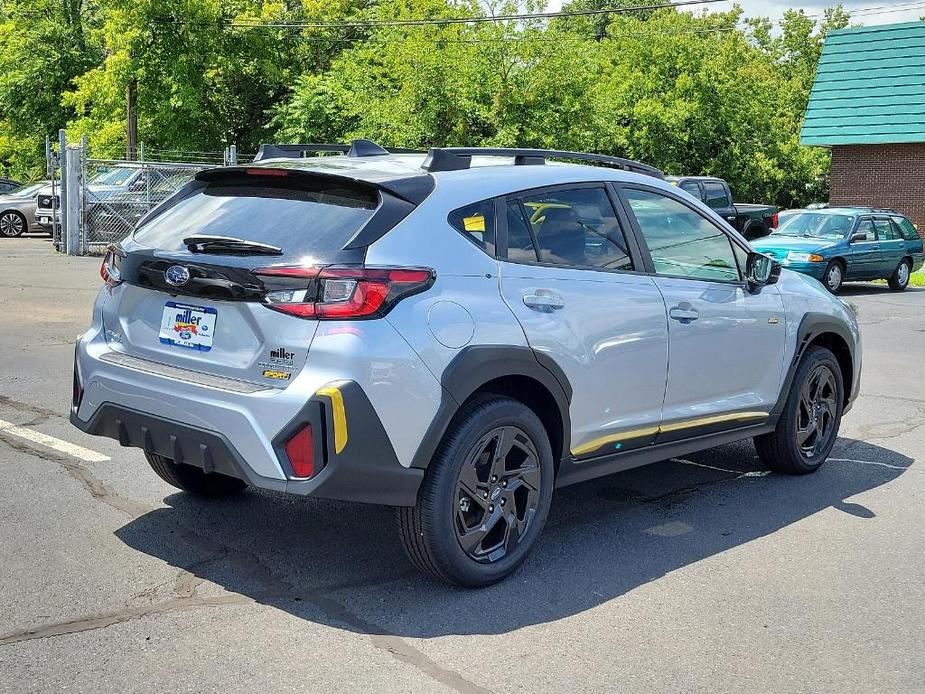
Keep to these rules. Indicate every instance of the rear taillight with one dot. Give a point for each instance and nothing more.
(774, 220)
(300, 449)
(109, 268)
(341, 293)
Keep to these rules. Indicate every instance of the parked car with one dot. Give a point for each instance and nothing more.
(754, 221)
(105, 183)
(454, 335)
(116, 215)
(17, 209)
(8, 185)
(842, 244)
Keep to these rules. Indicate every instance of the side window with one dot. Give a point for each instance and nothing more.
(477, 223)
(577, 227)
(715, 195)
(884, 230)
(906, 227)
(520, 246)
(680, 241)
(691, 187)
(866, 226)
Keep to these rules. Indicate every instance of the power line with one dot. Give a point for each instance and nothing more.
(371, 24)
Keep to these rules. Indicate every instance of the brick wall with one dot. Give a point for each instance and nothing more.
(881, 176)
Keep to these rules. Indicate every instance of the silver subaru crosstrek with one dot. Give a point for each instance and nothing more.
(455, 335)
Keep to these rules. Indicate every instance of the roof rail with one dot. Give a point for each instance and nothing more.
(456, 158)
(357, 148)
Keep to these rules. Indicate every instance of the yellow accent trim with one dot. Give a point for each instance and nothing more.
(595, 444)
(340, 415)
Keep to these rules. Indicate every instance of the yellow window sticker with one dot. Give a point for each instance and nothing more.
(475, 223)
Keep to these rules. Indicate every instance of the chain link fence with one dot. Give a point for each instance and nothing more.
(115, 194)
(101, 200)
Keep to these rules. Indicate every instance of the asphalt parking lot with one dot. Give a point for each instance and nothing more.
(706, 574)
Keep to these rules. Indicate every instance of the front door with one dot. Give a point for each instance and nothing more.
(569, 278)
(726, 344)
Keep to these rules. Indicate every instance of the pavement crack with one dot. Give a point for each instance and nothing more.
(94, 486)
(108, 619)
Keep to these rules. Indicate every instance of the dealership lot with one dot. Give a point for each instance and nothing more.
(703, 574)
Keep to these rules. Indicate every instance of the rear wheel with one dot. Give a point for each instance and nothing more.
(193, 479)
(12, 223)
(834, 276)
(808, 426)
(899, 280)
(485, 496)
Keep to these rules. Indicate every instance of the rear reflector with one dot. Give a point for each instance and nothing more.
(300, 449)
(341, 293)
(267, 172)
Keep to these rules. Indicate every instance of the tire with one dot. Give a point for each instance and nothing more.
(834, 276)
(505, 507)
(192, 479)
(797, 447)
(12, 224)
(899, 280)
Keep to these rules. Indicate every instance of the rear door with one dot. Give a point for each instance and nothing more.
(202, 308)
(570, 276)
(717, 197)
(863, 257)
(726, 345)
(892, 245)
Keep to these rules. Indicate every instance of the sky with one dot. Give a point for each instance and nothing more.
(867, 12)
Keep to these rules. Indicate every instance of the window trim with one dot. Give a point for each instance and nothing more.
(633, 251)
(620, 187)
(885, 218)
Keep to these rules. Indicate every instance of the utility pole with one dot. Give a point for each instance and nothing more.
(131, 118)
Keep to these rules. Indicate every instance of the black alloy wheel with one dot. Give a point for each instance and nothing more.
(817, 411)
(497, 492)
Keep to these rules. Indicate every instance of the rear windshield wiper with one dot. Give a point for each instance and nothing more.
(229, 244)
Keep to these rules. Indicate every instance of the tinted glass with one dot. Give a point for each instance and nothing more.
(578, 228)
(477, 223)
(817, 224)
(680, 241)
(866, 227)
(308, 218)
(691, 187)
(519, 240)
(906, 227)
(885, 230)
(7, 187)
(715, 195)
(29, 191)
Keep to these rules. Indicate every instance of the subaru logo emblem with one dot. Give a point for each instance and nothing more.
(177, 275)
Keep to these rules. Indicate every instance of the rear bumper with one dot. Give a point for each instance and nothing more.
(364, 472)
(241, 431)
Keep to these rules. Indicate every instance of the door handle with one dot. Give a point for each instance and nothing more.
(544, 300)
(683, 313)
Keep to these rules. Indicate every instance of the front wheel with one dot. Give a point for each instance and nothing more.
(485, 496)
(12, 223)
(834, 276)
(899, 280)
(193, 479)
(808, 426)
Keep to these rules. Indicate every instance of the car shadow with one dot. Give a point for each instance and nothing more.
(869, 288)
(342, 564)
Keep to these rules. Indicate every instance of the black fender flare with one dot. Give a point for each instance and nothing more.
(812, 326)
(475, 366)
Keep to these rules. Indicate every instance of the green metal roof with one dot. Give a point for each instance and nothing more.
(869, 88)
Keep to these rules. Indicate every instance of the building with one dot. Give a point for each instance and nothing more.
(868, 105)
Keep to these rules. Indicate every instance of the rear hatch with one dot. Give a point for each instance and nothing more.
(187, 287)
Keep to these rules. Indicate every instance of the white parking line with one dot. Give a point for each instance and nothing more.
(868, 462)
(57, 444)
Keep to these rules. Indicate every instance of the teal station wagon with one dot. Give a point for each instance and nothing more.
(842, 244)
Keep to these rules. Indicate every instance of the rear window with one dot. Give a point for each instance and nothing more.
(303, 217)
(908, 230)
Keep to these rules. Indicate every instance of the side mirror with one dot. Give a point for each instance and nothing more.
(760, 270)
(858, 236)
